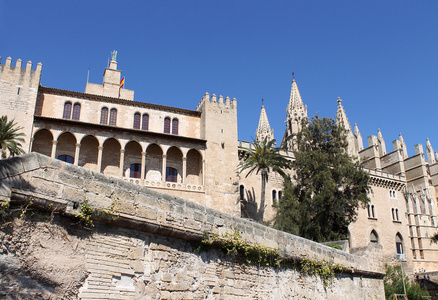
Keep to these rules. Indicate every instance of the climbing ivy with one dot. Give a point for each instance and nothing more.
(232, 243)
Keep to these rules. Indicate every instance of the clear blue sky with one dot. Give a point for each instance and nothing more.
(380, 57)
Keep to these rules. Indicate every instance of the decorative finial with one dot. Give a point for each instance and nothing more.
(113, 55)
(339, 100)
(293, 75)
(262, 102)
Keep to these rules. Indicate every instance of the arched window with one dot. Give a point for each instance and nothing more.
(369, 211)
(280, 194)
(372, 212)
(242, 192)
(67, 158)
(167, 125)
(145, 122)
(374, 238)
(393, 214)
(104, 115)
(113, 117)
(171, 174)
(67, 110)
(274, 195)
(76, 111)
(396, 214)
(135, 171)
(399, 243)
(175, 126)
(137, 121)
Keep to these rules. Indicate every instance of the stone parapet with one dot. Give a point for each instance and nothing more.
(51, 181)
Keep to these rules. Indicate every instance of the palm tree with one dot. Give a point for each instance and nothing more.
(262, 157)
(10, 138)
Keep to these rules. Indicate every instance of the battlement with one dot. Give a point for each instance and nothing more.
(7, 68)
(217, 101)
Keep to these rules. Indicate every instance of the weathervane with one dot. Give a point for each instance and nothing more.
(293, 75)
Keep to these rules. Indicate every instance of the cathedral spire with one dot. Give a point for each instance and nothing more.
(296, 113)
(264, 129)
(430, 153)
(341, 117)
(342, 121)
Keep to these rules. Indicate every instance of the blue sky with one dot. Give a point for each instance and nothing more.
(380, 57)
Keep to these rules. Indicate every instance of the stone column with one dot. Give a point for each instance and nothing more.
(122, 161)
(143, 165)
(163, 168)
(54, 143)
(184, 174)
(76, 161)
(99, 159)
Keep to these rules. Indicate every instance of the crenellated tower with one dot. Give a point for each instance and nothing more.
(219, 129)
(19, 89)
(296, 113)
(264, 129)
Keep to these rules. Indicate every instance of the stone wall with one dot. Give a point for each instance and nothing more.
(149, 254)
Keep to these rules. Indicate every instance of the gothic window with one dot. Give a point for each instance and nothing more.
(113, 117)
(274, 195)
(104, 115)
(67, 158)
(76, 111)
(399, 243)
(145, 122)
(374, 238)
(242, 192)
(167, 125)
(135, 171)
(171, 174)
(137, 121)
(67, 110)
(175, 126)
(279, 195)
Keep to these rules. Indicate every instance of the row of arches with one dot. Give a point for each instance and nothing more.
(150, 162)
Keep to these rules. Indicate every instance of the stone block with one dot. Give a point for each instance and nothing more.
(73, 194)
(69, 179)
(122, 194)
(146, 199)
(121, 206)
(46, 187)
(98, 187)
(165, 295)
(30, 162)
(136, 253)
(166, 277)
(43, 160)
(146, 213)
(12, 166)
(137, 266)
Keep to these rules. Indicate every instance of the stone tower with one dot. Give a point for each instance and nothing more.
(264, 129)
(296, 113)
(219, 129)
(19, 89)
(111, 83)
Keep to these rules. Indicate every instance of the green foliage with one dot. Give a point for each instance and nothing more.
(86, 213)
(335, 246)
(10, 138)
(329, 185)
(232, 243)
(4, 206)
(393, 282)
(326, 270)
(263, 158)
(434, 238)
